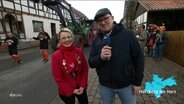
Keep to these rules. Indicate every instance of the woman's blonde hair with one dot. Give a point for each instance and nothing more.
(64, 29)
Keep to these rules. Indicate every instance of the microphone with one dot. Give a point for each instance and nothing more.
(106, 40)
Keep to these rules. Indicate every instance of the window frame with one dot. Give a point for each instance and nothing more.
(37, 25)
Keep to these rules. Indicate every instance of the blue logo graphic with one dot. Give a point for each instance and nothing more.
(158, 84)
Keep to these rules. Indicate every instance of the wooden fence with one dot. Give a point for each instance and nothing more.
(174, 49)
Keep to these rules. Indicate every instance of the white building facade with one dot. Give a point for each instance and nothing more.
(24, 18)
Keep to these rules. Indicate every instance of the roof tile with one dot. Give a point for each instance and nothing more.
(162, 4)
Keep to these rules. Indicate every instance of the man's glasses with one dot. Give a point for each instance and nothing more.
(105, 19)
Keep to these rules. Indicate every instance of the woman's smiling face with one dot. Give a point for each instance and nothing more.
(66, 39)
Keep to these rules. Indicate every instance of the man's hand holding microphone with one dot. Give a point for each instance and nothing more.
(106, 51)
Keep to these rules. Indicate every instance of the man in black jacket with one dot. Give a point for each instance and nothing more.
(118, 59)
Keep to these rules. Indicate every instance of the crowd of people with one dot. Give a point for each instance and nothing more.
(152, 40)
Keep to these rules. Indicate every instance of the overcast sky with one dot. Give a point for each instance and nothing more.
(90, 7)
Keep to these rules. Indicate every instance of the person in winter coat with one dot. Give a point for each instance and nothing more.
(118, 59)
(160, 43)
(70, 69)
(12, 43)
(43, 37)
(142, 38)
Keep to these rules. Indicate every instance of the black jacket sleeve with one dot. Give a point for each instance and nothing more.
(15, 41)
(137, 59)
(37, 38)
(95, 60)
(47, 35)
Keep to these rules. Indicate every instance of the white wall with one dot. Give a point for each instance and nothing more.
(142, 18)
(27, 19)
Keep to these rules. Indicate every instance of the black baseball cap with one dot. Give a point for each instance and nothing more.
(101, 12)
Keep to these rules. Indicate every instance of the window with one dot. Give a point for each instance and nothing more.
(18, 7)
(24, 2)
(31, 4)
(37, 25)
(40, 6)
(8, 4)
(17, 1)
(45, 8)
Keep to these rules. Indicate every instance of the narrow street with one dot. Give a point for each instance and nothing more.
(27, 83)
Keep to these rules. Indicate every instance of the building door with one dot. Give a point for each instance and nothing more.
(11, 24)
(53, 29)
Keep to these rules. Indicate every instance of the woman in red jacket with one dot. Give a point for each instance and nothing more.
(70, 69)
